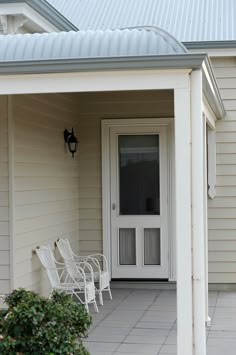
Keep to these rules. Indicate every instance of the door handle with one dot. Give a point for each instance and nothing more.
(113, 206)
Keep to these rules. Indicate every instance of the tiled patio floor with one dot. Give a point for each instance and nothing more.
(144, 322)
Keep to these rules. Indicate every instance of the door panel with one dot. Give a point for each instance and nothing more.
(139, 239)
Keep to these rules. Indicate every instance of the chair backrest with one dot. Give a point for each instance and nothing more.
(65, 249)
(67, 254)
(47, 259)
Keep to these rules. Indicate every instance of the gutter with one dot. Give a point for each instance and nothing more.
(47, 11)
(195, 61)
(210, 44)
(174, 61)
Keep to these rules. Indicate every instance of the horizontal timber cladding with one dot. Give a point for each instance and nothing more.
(5, 274)
(46, 181)
(222, 210)
(93, 107)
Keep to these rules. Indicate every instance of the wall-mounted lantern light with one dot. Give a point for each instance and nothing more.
(71, 140)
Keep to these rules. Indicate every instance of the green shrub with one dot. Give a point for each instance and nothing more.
(36, 325)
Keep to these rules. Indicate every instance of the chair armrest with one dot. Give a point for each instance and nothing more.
(104, 260)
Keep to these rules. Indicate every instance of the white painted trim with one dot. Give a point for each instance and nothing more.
(106, 208)
(216, 52)
(211, 163)
(198, 215)
(210, 116)
(110, 80)
(11, 167)
(171, 199)
(205, 136)
(139, 222)
(106, 125)
(28, 12)
(183, 221)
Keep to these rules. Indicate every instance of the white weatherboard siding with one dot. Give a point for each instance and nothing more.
(4, 200)
(93, 107)
(46, 181)
(222, 209)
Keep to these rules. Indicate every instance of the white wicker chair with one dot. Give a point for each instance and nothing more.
(101, 276)
(73, 281)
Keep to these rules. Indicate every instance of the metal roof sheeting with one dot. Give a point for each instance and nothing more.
(187, 20)
(89, 44)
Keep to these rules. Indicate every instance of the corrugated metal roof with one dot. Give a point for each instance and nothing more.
(187, 20)
(88, 44)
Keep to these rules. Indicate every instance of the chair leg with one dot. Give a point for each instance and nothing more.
(100, 297)
(109, 290)
(95, 306)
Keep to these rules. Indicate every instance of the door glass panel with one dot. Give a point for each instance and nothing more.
(127, 246)
(152, 246)
(139, 174)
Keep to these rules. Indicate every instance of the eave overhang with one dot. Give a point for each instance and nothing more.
(166, 62)
(47, 11)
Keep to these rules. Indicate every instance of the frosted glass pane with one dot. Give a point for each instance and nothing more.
(139, 174)
(152, 246)
(127, 246)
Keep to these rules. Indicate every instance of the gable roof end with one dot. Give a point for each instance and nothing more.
(46, 10)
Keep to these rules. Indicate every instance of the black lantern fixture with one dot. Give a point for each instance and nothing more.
(71, 140)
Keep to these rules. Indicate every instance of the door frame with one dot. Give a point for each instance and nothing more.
(106, 125)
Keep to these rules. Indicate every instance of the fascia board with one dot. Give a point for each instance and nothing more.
(187, 62)
(42, 7)
(179, 61)
(210, 44)
(211, 90)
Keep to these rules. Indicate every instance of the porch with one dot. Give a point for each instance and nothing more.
(143, 321)
(52, 195)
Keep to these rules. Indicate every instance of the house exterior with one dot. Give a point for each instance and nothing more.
(152, 184)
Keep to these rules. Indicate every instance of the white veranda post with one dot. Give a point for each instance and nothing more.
(198, 215)
(183, 219)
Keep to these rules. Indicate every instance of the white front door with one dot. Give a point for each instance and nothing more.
(139, 238)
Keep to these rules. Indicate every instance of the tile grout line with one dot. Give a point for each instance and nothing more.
(135, 323)
(213, 314)
(112, 309)
(172, 328)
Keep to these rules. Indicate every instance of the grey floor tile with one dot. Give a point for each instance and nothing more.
(110, 331)
(147, 349)
(123, 315)
(166, 308)
(212, 298)
(94, 347)
(149, 332)
(144, 322)
(172, 338)
(118, 323)
(221, 334)
(160, 316)
(220, 350)
(224, 324)
(229, 343)
(134, 305)
(225, 313)
(137, 339)
(104, 338)
(154, 325)
(168, 349)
